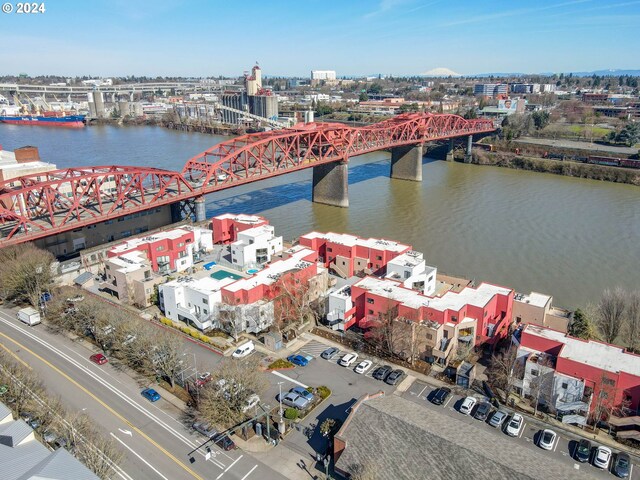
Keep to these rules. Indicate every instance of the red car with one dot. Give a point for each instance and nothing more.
(98, 358)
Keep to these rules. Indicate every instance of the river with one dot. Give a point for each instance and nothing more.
(563, 236)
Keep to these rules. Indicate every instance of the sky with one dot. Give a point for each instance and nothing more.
(289, 38)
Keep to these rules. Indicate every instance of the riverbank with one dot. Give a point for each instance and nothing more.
(211, 129)
(558, 167)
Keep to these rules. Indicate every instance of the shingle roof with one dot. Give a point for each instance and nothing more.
(60, 465)
(398, 438)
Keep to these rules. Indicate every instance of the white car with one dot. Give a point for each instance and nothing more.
(602, 457)
(547, 439)
(252, 401)
(514, 427)
(222, 177)
(348, 359)
(363, 366)
(467, 405)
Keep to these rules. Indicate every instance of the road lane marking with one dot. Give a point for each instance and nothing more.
(556, 445)
(15, 356)
(256, 466)
(229, 467)
(138, 455)
(522, 430)
(117, 392)
(116, 414)
(289, 378)
(425, 387)
(126, 432)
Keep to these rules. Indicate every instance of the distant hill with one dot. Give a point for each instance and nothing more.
(614, 72)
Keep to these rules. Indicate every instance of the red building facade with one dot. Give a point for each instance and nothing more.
(226, 227)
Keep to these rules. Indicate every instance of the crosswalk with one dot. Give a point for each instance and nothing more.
(315, 348)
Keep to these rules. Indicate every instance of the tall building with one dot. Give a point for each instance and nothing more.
(490, 89)
(323, 74)
(265, 105)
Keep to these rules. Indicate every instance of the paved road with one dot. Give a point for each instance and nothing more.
(421, 393)
(156, 439)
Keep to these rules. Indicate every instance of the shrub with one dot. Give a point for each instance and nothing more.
(280, 363)
(203, 338)
(291, 413)
(166, 321)
(323, 392)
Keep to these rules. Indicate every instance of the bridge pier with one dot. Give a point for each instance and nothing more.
(200, 210)
(176, 212)
(467, 153)
(331, 184)
(406, 162)
(450, 151)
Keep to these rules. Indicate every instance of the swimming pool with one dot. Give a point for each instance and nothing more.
(252, 271)
(222, 274)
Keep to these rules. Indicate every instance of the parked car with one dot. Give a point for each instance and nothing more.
(482, 412)
(381, 373)
(98, 358)
(203, 378)
(224, 442)
(498, 418)
(329, 353)
(394, 377)
(252, 401)
(514, 427)
(49, 437)
(467, 405)
(150, 394)
(363, 366)
(583, 450)
(204, 428)
(303, 392)
(348, 359)
(244, 350)
(602, 457)
(622, 465)
(294, 400)
(440, 395)
(298, 360)
(547, 439)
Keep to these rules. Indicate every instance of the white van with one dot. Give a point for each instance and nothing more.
(244, 350)
(29, 315)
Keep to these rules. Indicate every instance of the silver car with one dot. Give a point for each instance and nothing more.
(498, 418)
(294, 400)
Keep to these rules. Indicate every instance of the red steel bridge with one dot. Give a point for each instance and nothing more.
(61, 200)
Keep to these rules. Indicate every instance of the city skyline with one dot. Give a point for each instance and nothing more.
(399, 37)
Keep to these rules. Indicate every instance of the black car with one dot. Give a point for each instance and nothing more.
(394, 377)
(440, 395)
(482, 411)
(381, 373)
(329, 353)
(583, 451)
(621, 467)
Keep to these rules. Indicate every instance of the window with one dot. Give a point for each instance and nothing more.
(159, 248)
(608, 381)
(429, 336)
(565, 385)
(378, 257)
(205, 301)
(181, 244)
(485, 314)
(329, 249)
(534, 372)
(205, 311)
(454, 318)
(370, 312)
(370, 300)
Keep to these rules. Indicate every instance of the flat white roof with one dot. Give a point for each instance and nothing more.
(408, 259)
(272, 272)
(534, 298)
(478, 297)
(352, 240)
(136, 242)
(241, 218)
(610, 358)
(256, 232)
(204, 285)
(130, 262)
(8, 162)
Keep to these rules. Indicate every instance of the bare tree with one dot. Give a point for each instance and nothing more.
(541, 383)
(223, 399)
(25, 273)
(230, 319)
(603, 401)
(167, 356)
(293, 300)
(506, 370)
(632, 330)
(610, 313)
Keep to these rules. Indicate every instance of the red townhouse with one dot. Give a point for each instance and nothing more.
(348, 255)
(590, 372)
(227, 226)
(166, 250)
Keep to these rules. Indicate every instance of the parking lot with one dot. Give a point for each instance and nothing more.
(563, 447)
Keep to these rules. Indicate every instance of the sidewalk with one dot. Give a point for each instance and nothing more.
(600, 437)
